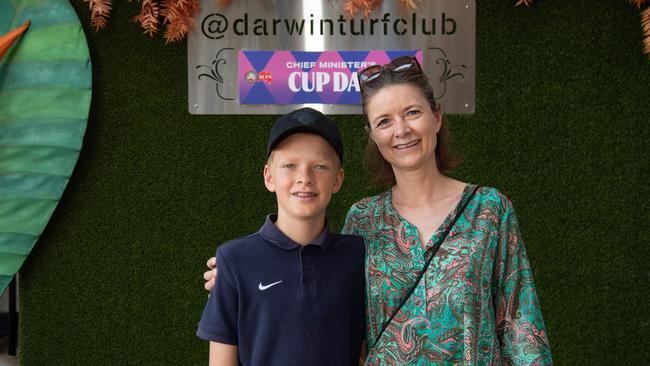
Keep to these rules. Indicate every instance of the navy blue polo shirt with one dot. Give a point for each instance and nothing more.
(286, 304)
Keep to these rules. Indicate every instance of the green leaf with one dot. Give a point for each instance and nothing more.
(45, 92)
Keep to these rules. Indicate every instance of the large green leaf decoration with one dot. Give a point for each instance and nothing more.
(45, 91)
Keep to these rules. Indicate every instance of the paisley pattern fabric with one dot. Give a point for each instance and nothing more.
(476, 305)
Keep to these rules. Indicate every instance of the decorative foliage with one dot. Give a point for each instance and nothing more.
(100, 10)
(148, 17)
(643, 5)
(179, 17)
(353, 7)
(409, 4)
(42, 121)
(645, 25)
(222, 3)
(524, 2)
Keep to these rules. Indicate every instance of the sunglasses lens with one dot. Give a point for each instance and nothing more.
(403, 67)
(402, 63)
(370, 73)
(367, 78)
(399, 64)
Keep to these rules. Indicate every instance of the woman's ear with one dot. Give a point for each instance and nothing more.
(369, 132)
(437, 115)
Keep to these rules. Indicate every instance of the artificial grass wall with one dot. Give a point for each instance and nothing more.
(561, 127)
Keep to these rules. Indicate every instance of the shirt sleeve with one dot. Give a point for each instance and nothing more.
(349, 224)
(219, 320)
(520, 326)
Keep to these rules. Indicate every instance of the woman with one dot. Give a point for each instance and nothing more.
(475, 302)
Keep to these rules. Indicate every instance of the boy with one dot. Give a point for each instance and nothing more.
(292, 293)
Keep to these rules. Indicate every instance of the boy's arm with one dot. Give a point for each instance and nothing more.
(219, 320)
(223, 354)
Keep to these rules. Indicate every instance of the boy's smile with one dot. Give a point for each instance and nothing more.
(304, 195)
(303, 171)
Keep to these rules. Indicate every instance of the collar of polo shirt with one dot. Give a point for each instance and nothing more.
(273, 235)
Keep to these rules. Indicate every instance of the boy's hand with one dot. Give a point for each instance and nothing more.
(211, 274)
(363, 354)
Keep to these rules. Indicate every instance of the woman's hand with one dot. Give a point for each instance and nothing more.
(211, 274)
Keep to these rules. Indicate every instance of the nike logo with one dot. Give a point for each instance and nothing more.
(264, 287)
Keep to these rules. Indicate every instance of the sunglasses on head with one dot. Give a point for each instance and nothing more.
(400, 64)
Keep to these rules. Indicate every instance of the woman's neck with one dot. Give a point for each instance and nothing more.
(420, 186)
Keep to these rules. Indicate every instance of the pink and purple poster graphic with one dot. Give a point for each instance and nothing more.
(299, 77)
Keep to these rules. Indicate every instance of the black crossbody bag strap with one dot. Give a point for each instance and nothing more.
(433, 250)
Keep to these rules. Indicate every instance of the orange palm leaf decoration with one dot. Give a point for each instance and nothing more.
(8, 39)
(222, 3)
(353, 7)
(645, 25)
(148, 17)
(179, 18)
(524, 2)
(100, 10)
(409, 4)
(638, 3)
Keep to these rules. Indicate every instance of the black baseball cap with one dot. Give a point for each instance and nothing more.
(305, 120)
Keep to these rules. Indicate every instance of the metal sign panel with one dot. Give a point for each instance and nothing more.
(302, 34)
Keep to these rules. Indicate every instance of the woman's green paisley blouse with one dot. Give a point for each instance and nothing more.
(476, 304)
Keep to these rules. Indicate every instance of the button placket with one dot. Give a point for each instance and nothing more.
(308, 281)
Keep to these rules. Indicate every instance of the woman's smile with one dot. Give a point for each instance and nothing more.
(407, 145)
